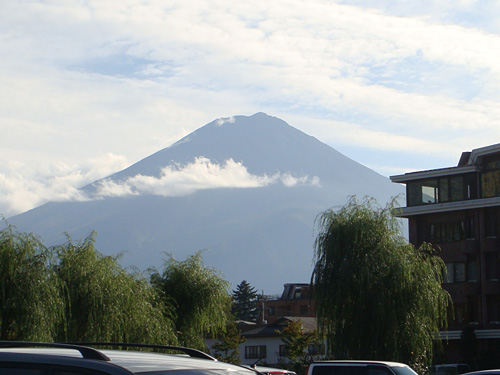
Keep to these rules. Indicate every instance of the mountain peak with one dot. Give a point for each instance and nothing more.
(247, 188)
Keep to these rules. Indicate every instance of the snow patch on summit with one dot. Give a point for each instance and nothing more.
(225, 120)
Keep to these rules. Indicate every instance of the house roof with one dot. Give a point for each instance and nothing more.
(469, 162)
(274, 329)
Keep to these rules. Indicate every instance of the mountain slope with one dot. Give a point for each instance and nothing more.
(262, 233)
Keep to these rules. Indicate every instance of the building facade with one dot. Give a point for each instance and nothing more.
(458, 210)
(296, 300)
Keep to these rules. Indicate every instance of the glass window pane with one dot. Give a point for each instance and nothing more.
(450, 278)
(443, 190)
(429, 194)
(457, 188)
(471, 271)
(459, 272)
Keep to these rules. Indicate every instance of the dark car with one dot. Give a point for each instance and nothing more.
(349, 367)
(26, 358)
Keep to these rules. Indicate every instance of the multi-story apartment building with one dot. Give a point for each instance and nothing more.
(294, 301)
(458, 210)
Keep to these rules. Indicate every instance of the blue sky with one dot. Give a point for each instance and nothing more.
(92, 86)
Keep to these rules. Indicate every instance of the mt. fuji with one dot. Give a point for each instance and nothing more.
(245, 190)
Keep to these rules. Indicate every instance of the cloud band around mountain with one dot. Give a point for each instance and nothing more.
(176, 180)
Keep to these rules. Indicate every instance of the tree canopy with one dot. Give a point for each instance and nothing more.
(227, 347)
(298, 344)
(199, 295)
(377, 296)
(30, 303)
(245, 302)
(106, 303)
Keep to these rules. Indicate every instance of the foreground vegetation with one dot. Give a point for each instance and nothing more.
(72, 292)
(377, 296)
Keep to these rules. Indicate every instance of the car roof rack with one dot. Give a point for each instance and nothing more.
(85, 351)
(189, 351)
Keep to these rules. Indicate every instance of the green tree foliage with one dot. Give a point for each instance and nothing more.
(199, 294)
(30, 304)
(228, 344)
(377, 296)
(297, 343)
(104, 302)
(245, 302)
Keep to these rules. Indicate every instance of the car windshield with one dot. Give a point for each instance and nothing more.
(403, 370)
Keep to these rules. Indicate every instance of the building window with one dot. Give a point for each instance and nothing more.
(304, 309)
(491, 224)
(472, 311)
(493, 303)
(443, 189)
(460, 271)
(465, 313)
(457, 188)
(423, 192)
(472, 270)
(490, 179)
(491, 260)
(429, 194)
(470, 229)
(255, 352)
(283, 351)
(271, 310)
(440, 232)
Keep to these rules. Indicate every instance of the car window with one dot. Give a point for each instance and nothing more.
(403, 370)
(76, 372)
(21, 370)
(339, 370)
(379, 370)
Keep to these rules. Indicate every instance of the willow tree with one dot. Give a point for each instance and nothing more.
(104, 302)
(200, 297)
(377, 296)
(30, 304)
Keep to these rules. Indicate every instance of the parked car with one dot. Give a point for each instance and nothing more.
(28, 358)
(484, 372)
(348, 367)
(271, 370)
(450, 369)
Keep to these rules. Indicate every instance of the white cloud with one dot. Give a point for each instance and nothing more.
(199, 175)
(24, 186)
(86, 78)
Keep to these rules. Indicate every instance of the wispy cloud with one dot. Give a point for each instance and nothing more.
(50, 182)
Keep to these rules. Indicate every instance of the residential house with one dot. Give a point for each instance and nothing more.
(263, 345)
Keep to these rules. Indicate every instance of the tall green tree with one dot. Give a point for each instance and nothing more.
(297, 344)
(106, 303)
(245, 299)
(227, 348)
(200, 297)
(377, 296)
(30, 304)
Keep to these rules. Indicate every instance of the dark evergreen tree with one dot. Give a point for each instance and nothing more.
(245, 302)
